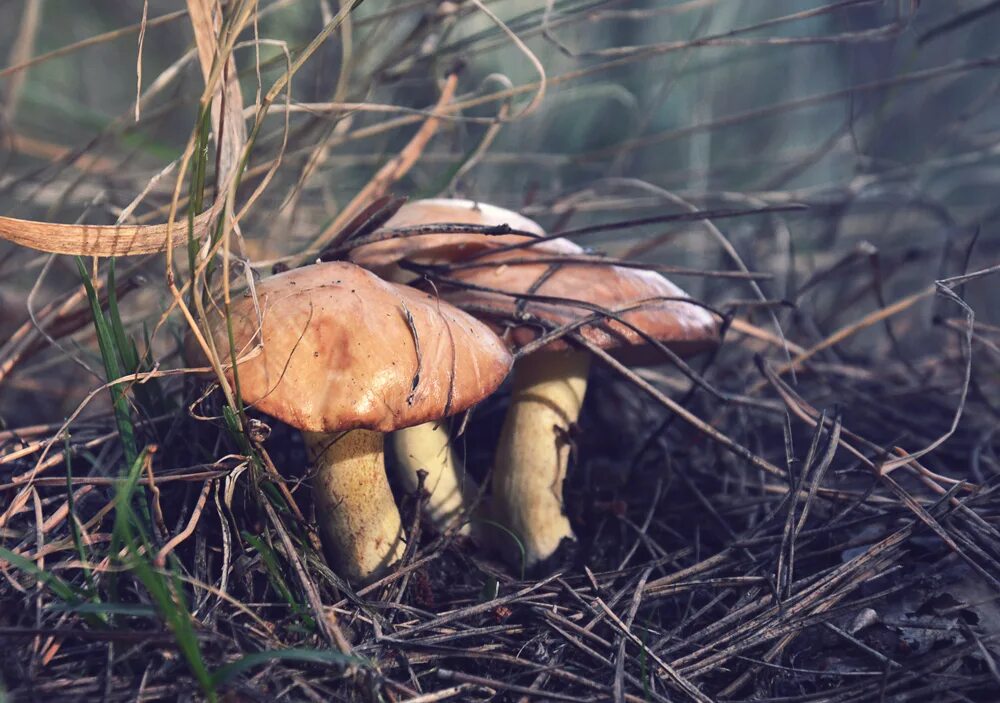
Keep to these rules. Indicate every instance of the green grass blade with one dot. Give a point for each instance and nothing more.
(314, 656)
(51, 581)
(128, 355)
(514, 537)
(135, 610)
(166, 593)
(74, 528)
(270, 560)
(196, 191)
(112, 368)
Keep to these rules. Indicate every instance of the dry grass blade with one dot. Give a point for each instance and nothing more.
(390, 173)
(227, 102)
(96, 240)
(21, 50)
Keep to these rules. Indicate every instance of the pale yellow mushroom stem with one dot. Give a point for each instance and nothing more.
(427, 447)
(358, 519)
(533, 453)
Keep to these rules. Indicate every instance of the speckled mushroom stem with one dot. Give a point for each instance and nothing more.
(533, 453)
(358, 519)
(427, 447)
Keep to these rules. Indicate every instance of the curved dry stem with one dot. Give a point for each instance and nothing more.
(427, 447)
(358, 519)
(533, 453)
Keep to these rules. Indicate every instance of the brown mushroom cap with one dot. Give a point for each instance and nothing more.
(442, 248)
(666, 316)
(336, 351)
(685, 327)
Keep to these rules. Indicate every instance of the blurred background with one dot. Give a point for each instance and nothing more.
(880, 116)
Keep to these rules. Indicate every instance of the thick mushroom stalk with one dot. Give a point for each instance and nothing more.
(358, 518)
(427, 447)
(533, 454)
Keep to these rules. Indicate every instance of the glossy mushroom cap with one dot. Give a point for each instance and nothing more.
(334, 348)
(667, 314)
(382, 257)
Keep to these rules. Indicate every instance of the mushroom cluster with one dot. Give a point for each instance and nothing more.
(523, 289)
(343, 356)
(349, 351)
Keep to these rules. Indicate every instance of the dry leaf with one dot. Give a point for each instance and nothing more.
(97, 240)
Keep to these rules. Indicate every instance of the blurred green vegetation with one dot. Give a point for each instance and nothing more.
(866, 110)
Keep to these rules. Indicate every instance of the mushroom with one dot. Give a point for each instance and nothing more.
(549, 385)
(427, 447)
(344, 356)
